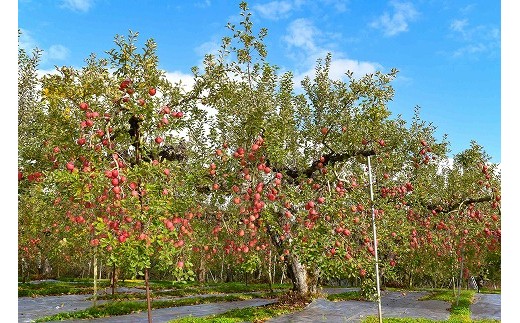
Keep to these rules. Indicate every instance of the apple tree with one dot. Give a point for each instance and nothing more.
(123, 166)
(289, 170)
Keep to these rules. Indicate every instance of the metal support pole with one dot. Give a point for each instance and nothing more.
(375, 242)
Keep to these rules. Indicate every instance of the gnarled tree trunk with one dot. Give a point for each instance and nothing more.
(304, 278)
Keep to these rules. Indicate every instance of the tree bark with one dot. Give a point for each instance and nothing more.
(202, 271)
(270, 273)
(95, 277)
(114, 279)
(148, 299)
(304, 279)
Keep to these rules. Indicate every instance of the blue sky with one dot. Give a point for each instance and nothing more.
(448, 52)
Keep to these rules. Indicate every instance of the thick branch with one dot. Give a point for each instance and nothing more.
(331, 158)
(456, 204)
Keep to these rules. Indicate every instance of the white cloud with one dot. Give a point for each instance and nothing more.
(275, 9)
(474, 39)
(186, 80)
(77, 5)
(26, 41)
(209, 47)
(397, 22)
(54, 52)
(302, 34)
(459, 25)
(338, 68)
(57, 52)
(203, 4)
(339, 5)
(40, 73)
(304, 39)
(445, 164)
(470, 49)
(278, 9)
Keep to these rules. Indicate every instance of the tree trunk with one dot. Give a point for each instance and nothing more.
(454, 287)
(460, 279)
(148, 298)
(304, 279)
(259, 273)
(95, 278)
(222, 270)
(270, 273)
(114, 279)
(229, 274)
(23, 271)
(202, 271)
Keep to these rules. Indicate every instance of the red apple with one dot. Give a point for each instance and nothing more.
(83, 106)
(70, 166)
(152, 91)
(165, 110)
(124, 84)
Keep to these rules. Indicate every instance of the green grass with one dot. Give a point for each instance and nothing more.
(248, 314)
(128, 307)
(68, 286)
(287, 303)
(53, 288)
(459, 313)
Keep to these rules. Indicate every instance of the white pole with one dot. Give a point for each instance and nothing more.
(375, 242)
